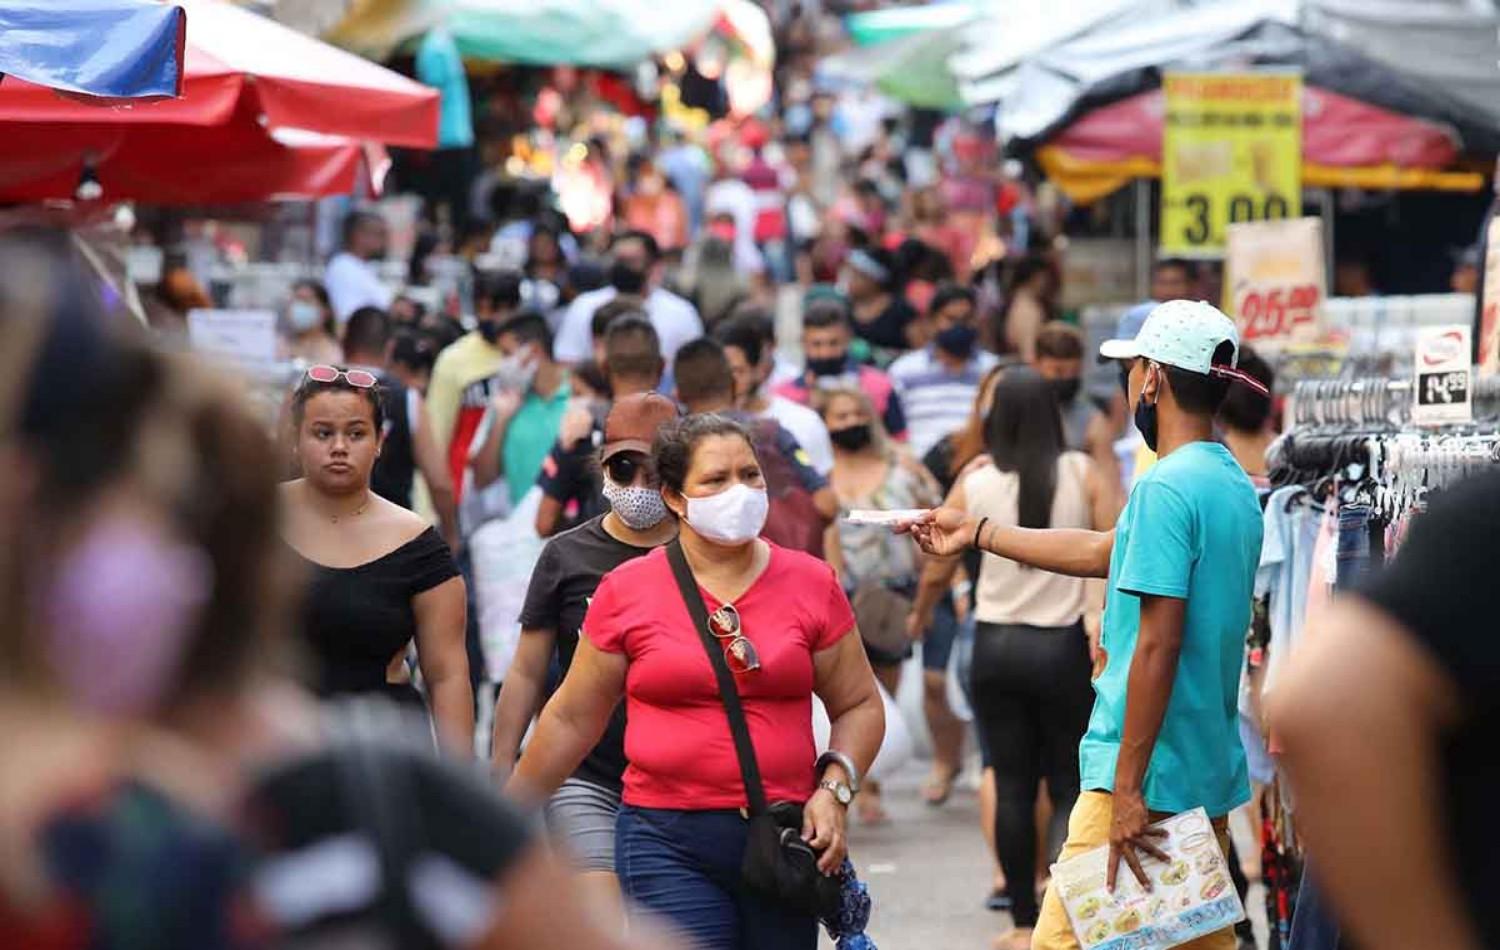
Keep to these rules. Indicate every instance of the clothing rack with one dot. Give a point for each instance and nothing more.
(1374, 401)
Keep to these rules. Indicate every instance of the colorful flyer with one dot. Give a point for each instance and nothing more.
(1191, 893)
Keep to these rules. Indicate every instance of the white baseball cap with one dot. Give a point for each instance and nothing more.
(1185, 334)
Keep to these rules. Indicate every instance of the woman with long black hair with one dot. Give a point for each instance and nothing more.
(1031, 666)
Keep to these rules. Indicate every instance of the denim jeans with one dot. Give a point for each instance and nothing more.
(1313, 925)
(1353, 550)
(684, 866)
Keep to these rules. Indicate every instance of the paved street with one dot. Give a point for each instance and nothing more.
(928, 870)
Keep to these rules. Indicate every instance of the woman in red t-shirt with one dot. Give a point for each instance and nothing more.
(681, 833)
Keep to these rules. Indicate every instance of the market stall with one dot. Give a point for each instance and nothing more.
(252, 89)
(1364, 125)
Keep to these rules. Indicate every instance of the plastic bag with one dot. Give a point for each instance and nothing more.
(503, 552)
(895, 749)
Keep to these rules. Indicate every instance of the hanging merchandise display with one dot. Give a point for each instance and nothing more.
(1275, 281)
(1347, 479)
(1231, 152)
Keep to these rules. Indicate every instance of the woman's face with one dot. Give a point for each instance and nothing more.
(843, 412)
(305, 294)
(719, 463)
(337, 442)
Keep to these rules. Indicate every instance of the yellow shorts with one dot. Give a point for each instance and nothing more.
(1088, 827)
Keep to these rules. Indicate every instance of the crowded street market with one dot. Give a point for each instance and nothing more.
(748, 474)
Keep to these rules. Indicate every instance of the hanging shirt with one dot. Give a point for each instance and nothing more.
(1286, 563)
(440, 66)
(1191, 530)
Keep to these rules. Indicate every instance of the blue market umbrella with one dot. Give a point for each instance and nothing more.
(116, 49)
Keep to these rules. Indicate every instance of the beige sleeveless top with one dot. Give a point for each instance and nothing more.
(1008, 592)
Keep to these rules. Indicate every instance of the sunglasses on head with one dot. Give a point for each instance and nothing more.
(739, 652)
(622, 468)
(358, 378)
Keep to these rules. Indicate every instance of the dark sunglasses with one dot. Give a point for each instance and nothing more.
(622, 468)
(739, 652)
(358, 378)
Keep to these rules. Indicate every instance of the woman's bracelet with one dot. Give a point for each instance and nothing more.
(978, 531)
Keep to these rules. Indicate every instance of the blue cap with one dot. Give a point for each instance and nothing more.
(1133, 319)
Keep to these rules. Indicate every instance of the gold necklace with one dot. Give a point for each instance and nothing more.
(355, 513)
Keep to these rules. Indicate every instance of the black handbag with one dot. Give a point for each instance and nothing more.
(778, 864)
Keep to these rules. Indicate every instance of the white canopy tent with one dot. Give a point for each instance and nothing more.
(1037, 57)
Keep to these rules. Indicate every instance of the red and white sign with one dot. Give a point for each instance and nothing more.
(1443, 385)
(1274, 281)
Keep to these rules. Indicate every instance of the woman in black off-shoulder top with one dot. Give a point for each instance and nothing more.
(378, 576)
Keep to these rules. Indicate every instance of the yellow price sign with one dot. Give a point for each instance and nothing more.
(1231, 153)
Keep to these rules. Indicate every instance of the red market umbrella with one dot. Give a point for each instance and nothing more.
(230, 164)
(1345, 142)
(237, 59)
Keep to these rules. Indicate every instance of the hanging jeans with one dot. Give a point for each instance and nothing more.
(1353, 550)
(1313, 925)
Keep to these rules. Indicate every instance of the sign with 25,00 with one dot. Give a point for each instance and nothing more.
(1231, 153)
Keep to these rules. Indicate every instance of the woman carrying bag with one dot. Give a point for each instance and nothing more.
(693, 845)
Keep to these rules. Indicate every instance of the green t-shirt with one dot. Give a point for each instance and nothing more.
(529, 438)
(1191, 530)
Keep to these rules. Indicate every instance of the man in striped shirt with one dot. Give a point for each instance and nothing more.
(937, 384)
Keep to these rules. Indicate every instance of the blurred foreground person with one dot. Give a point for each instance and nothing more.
(141, 693)
(381, 576)
(785, 630)
(1394, 694)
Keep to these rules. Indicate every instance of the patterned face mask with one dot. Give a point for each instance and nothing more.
(638, 506)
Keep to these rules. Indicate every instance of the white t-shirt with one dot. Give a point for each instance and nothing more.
(807, 427)
(675, 320)
(353, 283)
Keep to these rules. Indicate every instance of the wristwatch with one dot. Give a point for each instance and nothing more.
(835, 757)
(842, 793)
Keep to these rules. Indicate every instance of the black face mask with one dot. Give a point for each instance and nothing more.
(829, 366)
(853, 438)
(1065, 390)
(626, 279)
(957, 340)
(1145, 421)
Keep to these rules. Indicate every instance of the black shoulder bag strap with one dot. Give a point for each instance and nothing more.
(744, 749)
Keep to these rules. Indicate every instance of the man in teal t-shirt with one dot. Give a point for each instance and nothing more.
(530, 395)
(1181, 565)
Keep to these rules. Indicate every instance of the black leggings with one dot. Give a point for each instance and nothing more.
(1032, 699)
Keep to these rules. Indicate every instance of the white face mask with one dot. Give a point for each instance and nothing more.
(733, 516)
(304, 315)
(641, 508)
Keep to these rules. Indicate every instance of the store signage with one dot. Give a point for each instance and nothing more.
(1443, 385)
(243, 337)
(1275, 281)
(1231, 152)
(1489, 313)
